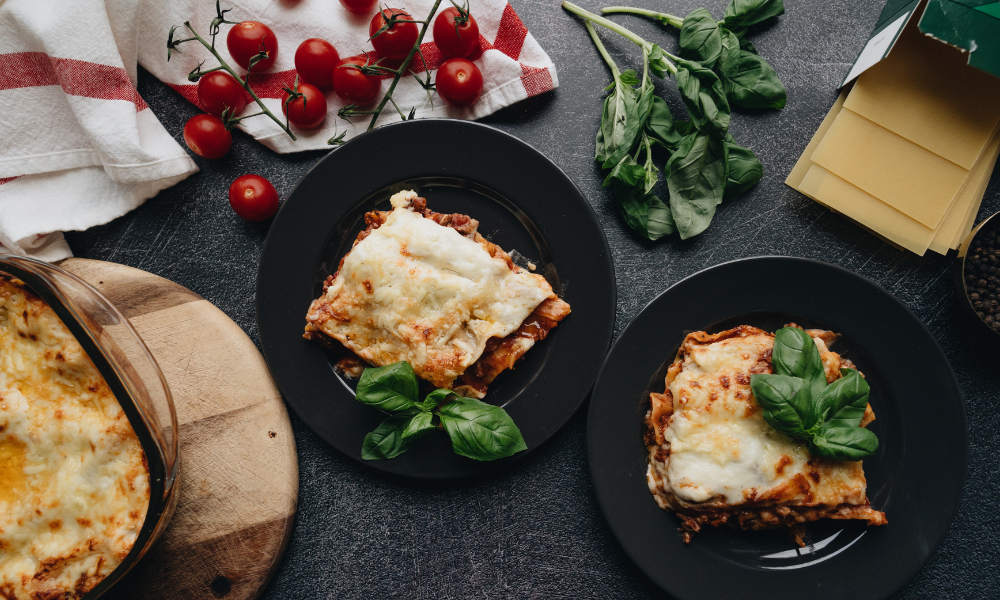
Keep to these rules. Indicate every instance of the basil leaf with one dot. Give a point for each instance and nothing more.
(750, 82)
(387, 440)
(844, 401)
(741, 14)
(660, 125)
(795, 354)
(418, 425)
(697, 181)
(700, 37)
(704, 97)
(627, 171)
(392, 388)
(744, 170)
(747, 45)
(619, 112)
(635, 117)
(659, 64)
(480, 431)
(786, 401)
(843, 443)
(434, 399)
(646, 214)
(629, 77)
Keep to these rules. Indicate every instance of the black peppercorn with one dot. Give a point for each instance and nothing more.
(982, 277)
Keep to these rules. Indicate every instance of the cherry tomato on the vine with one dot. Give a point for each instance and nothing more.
(396, 41)
(307, 110)
(218, 91)
(244, 42)
(315, 60)
(459, 82)
(253, 198)
(456, 32)
(359, 7)
(206, 136)
(353, 85)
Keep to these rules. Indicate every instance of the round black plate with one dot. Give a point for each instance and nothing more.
(916, 477)
(523, 202)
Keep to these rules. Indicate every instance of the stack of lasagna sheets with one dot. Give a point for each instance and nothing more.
(907, 151)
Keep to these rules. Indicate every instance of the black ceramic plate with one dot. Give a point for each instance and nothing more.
(523, 202)
(916, 476)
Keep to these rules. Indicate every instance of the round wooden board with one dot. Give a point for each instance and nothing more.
(239, 475)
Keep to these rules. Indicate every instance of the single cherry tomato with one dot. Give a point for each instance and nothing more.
(456, 32)
(359, 7)
(206, 136)
(459, 82)
(353, 85)
(218, 91)
(307, 108)
(315, 60)
(244, 42)
(253, 198)
(396, 41)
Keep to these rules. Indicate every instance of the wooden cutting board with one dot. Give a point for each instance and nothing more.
(239, 476)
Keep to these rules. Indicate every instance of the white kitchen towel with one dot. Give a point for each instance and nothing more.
(79, 146)
(514, 66)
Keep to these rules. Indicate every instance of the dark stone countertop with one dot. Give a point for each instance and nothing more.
(535, 531)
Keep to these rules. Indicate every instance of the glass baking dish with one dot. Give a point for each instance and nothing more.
(133, 376)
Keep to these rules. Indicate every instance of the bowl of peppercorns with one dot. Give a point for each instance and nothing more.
(979, 272)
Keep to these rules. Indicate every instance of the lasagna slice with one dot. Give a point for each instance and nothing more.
(427, 288)
(713, 460)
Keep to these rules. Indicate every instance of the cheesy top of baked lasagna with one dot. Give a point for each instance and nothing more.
(74, 482)
(712, 447)
(419, 291)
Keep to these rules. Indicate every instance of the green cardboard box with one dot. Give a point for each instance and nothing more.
(970, 25)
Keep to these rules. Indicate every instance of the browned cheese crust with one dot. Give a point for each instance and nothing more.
(816, 488)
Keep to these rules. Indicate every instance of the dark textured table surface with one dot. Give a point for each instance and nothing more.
(535, 531)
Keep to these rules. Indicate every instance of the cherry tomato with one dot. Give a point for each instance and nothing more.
(253, 198)
(308, 110)
(315, 60)
(397, 41)
(206, 136)
(353, 85)
(457, 36)
(359, 7)
(459, 82)
(218, 91)
(244, 41)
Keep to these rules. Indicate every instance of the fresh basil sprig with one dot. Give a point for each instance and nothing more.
(748, 80)
(705, 166)
(797, 400)
(477, 430)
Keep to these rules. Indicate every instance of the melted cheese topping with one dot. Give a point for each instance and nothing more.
(721, 452)
(421, 292)
(74, 484)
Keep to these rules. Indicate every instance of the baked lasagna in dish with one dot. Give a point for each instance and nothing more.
(74, 482)
(427, 288)
(714, 460)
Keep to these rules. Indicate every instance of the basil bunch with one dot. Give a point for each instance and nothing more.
(706, 166)
(797, 400)
(477, 430)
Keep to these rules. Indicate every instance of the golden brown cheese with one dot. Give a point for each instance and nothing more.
(74, 482)
(414, 289)
(712, 457)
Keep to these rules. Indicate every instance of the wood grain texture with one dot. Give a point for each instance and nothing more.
(239, 471)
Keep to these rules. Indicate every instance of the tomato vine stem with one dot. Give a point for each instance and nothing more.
(402, 69)
(223, 65)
